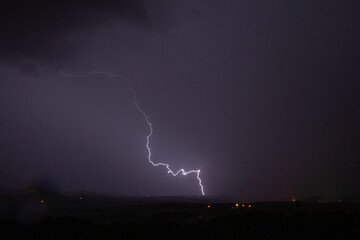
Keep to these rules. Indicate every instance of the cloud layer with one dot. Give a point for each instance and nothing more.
(38, 32)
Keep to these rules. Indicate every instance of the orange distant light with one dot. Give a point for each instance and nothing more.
(236, 204)
(243, 205)
(42, 201)
(249, 205)
(209, 206)
(294, 200)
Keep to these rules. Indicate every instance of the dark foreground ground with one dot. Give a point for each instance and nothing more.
(33, 216)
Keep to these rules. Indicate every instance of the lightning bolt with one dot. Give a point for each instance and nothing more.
(167, 166)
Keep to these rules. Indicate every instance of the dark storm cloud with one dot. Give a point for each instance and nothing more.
(262, 96)
(34, 32)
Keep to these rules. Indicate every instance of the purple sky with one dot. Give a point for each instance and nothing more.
(262, 96)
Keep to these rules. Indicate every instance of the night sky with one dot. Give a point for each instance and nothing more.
(262, 96)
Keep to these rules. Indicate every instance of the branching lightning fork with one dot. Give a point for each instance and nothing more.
(167, 166)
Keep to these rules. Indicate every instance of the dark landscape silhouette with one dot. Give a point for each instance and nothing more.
(47, 215)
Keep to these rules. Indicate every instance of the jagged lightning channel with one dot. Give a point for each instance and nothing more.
(167, 166)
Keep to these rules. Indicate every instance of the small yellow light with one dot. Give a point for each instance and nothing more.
(243, 205)
(209, 206)
(249, 205)
(42, 201)
(236, 204)
(294, 200)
